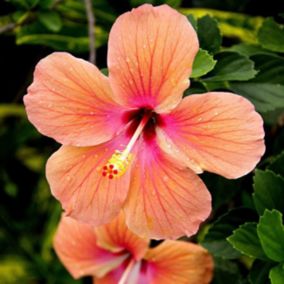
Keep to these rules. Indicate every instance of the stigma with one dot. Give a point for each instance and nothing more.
(120, 161)
(117, 165)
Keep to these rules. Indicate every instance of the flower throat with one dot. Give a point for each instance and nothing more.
(119, 162)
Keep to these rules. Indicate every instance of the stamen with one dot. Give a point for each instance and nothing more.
(117, 165)
(119, 162)
(126, 273)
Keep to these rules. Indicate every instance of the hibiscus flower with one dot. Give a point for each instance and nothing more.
(131, 141)
(115, 255)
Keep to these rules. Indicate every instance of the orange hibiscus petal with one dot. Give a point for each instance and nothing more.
(71, 101)
(166, 199)
(76, 245)
(150, 57)
(178, 262)
(76, 180)
(217, 132)
(116, 237)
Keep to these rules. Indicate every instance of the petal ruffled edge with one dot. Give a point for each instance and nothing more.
(218, 132)
(150, 57)
(179, 262)
(75, 178)
(116, 237)
(165, 199)
(71, 101)
(76, 246)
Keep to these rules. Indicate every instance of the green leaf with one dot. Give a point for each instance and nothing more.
(277, 165)
(135, 3)
(268, 191)
(13, 270)
(64, 40)
(231, 66)
(192, 20)
(173, 3)
(221, 248)
(266, 89)
(273, 117)
(31, 158)
(6, 20)
(32, 3)
(270, 68)
(50, 228)
(46, 3)
(104, 71)
(7, 110)
(203, 63)
(222, 190)
(215, 240)
(51, 20)
(276, 274)
(225, 272)
(271, 35)
(26, 4)
(248, 49)
(270, 231)
(195, 88)
(231, 24)
(265, 96)
(259, 272)
(72, 10)
(76, 11)
(209, 34)
(245, 240)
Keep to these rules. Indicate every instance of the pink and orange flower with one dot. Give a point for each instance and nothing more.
(115, 255)
(130, 141)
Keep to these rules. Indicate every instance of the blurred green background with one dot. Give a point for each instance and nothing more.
(241, 38)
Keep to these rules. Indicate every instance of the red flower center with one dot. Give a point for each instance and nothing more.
(142, 121)
(134, 117)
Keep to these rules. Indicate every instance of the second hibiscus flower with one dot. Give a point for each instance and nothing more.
(115, 255)
(130, 142)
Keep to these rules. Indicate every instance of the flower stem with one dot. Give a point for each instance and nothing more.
(91, 30)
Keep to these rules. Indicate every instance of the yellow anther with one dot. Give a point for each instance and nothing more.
(117, 165)
(119, 162)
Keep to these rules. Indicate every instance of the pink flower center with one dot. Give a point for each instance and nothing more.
(142, 121)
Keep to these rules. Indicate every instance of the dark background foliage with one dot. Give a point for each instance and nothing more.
(242, 46)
